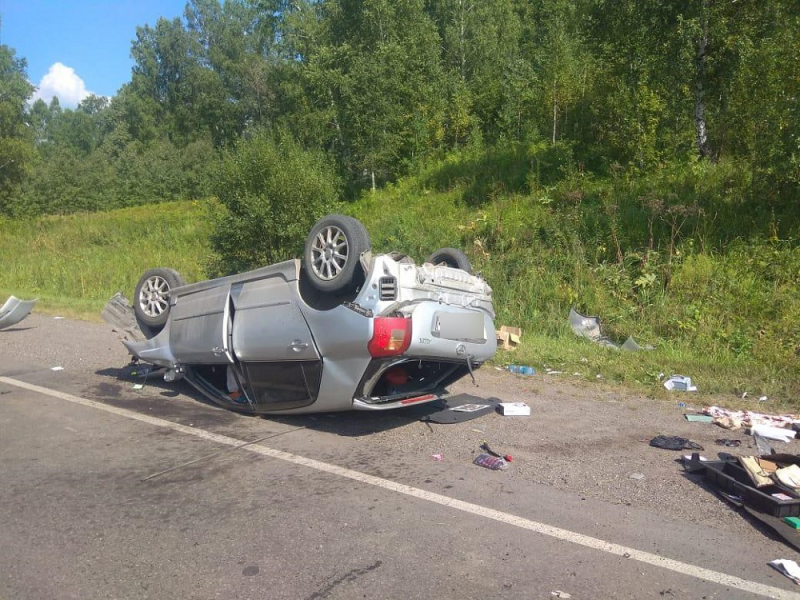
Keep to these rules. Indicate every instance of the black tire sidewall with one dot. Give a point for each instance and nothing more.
(452, 257)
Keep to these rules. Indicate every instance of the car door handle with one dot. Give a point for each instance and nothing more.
(298, 345)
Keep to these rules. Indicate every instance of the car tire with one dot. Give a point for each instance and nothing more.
(333, 251)
(450, 257)
(151, 299)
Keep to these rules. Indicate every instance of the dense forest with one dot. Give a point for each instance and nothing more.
(380, 87)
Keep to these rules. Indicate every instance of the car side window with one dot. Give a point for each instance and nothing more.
(286, 384)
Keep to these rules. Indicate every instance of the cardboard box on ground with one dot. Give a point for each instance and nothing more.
(508, 338)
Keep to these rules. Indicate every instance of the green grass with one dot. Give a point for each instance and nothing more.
(75, 263)
(720, 308)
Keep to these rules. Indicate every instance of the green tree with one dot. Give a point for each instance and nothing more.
(273, 191)
(16, 137)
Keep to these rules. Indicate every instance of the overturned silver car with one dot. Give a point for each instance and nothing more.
(342, 330)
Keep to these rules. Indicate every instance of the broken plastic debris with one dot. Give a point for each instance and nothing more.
(560, 594)
(773, 433)
(788, 567)
(763, 445)
(680, 383)
(589, 327)
(438, 457)
(763, 399)
(137, 386)
(15, 310)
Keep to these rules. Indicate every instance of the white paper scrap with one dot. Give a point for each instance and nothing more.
(56, 368)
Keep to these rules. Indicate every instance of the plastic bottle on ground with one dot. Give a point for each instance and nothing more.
(521, 369)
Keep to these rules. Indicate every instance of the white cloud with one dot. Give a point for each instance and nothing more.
(61, 81)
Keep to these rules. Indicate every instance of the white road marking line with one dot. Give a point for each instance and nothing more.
(468, 507)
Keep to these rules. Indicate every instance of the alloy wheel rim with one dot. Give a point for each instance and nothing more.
(154, 296)
(329, 253)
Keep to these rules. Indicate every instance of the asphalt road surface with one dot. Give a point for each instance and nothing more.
(107, 491)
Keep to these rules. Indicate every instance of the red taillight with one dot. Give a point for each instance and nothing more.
(391, 336)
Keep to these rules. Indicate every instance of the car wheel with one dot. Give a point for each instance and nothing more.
(333, 251)
(450, 257)
(151, 299)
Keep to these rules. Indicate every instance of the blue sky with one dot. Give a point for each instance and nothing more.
(74, 47)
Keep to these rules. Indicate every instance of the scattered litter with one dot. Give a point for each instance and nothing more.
(514, 409)
(748, 418)
(788, 567)
(479, 429)
(15, 310)
(508, 337)
(763, 399)
(688, 457)
(673, 442)
(589, 327)
(469, 407)
(58, 318)
(438, 457)
(444, 411)
(598, 376)
(560, 594)
(758, 476)
(485, 447)
(637, 476)
(764, 448)
(137, 386)
(699, 418)
(773, 433)
(744, 395)
(521, 369)
(789, 477)
(56, 368)
(488, 461)
(728, 442)
(680, 383)
(681, 404)
(555, 372)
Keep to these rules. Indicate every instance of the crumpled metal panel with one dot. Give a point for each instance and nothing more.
(15, 310)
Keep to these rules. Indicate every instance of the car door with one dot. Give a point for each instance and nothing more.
(200, 326)
(273, 343)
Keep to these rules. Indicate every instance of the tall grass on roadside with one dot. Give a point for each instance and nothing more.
(78, 262)
(717, 305)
